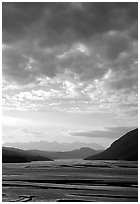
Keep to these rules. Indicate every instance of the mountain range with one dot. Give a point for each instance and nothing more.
(53, 146)
(73, 154)
(125, 148)
(11, 155)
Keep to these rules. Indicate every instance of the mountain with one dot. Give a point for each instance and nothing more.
(125, 148)
(53, 146)
(74, 154)
(14, 155)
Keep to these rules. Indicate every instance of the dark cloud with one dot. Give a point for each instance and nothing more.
(91, 19)
(85, 66)
(111, 132)
(17, 18)
(63, 21)
(125, 71)
(41, 31)
(15, 64)
(115, 43)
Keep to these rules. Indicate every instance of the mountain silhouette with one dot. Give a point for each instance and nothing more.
(14, 155)
(74, 154)
(125, 148)
(10, 155)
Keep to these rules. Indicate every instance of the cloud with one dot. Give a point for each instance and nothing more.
(15, 64)
(73, 96)
(115, 42)
(36, 134)
(71, 57)
(109, 132)
(17, 18)
(44, 31)
(79, 22)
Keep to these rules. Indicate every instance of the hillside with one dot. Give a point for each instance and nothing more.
(14, 155)
(74, 154)
(125, 148)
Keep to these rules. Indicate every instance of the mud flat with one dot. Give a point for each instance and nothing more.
(71, 181)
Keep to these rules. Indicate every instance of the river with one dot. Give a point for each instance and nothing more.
(70, 180)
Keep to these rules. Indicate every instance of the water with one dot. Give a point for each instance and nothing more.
(70, 180)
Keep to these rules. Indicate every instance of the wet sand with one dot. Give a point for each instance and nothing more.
(71, 180)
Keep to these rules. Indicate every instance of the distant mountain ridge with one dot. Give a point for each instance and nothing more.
(125, 148)
(53, 146)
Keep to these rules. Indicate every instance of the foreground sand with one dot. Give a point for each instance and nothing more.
(71, 180)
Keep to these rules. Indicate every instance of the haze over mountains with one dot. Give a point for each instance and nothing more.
(53, 146)
(125, 148)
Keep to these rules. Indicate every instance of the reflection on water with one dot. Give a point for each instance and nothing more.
(64, 180)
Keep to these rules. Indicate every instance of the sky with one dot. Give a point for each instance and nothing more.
(69, 70)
